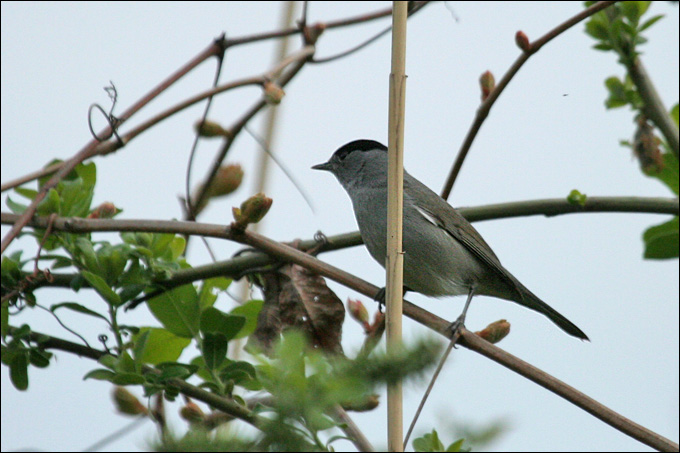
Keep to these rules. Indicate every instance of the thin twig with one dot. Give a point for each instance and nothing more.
(212, 50)
(298, 58)
(475, 343)
(485, 107)
(224, 404)
(416, 7)
(88, 150)
(430, 386)
(653, 106)
(117, 434)
(351, 429)
(236, 266)
(187, 180)
(289, 254)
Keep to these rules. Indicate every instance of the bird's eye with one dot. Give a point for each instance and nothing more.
(342, 154)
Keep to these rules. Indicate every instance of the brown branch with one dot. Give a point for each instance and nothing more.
(617, 421)
(653, 106)
(299, 59)
(351, 429)
(469, 340)
(214, 49)
(485, 107)
(236, 266)
(324, 25)
(226, 405)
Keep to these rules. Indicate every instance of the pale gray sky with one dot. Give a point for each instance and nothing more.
(548, 134)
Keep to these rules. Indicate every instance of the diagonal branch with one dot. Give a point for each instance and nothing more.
(290, 254)
(214, 49)
(236, 266)
(226, 405)
(485, 107)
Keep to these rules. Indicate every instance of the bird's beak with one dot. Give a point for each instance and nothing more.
(325, 166)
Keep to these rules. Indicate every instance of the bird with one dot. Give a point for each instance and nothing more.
(444, 255)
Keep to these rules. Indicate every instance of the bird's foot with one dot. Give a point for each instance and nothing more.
(454, 329)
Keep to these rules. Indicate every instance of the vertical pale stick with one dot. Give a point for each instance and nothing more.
(395, 206)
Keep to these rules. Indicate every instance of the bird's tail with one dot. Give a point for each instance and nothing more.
(530, 300)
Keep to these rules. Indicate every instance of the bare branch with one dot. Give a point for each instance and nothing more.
(485, 107)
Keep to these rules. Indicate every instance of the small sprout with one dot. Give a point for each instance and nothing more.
(106, 210)
(487, 83)
(311, 34)
(251, 211)
(367, 403)
(496, 331)
(210, 129)
(358, 312)
(646, 147)
(227, 180)
(577, 198)
(522, 41)
(191, 412)
(273, 93)
(127, 403)
(378, 325)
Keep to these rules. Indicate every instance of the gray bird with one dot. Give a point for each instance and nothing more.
(444, 254)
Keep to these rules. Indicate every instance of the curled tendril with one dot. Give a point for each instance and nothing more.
(103, 339)
(321, 241)
(110, 117)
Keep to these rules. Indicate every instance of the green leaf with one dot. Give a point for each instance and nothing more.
(597, 29)
(649, 22)
(102, 288)
(128, 379)
(139, 347)
(88, 173)
(674, 114)
(429, 442)
(109, 361)
(160, 243)
(88, 255)
(125, 363)
(15, 207)
(51, 204)
(39, 358)
(18, 371)
(162, 346)
(240, 372)
(603, 47)
(669, 174)
(633, 10)
(4, 320)
(662, 241)
(251, 311)
(100, 374)
(214, 348)
(617, 93)
(215, 321)
(79, 308)
(27, 193)
(175, 370)
(177, 247)
(178, 310)
(211, 286)
(457, 446)
(112, 261)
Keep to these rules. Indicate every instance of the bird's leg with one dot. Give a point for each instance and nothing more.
(460, 322)
(381, 294)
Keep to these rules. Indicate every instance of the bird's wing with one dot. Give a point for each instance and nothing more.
(454, 223)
